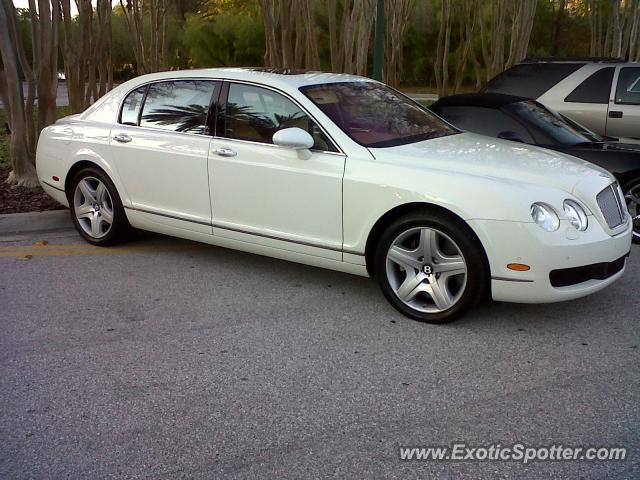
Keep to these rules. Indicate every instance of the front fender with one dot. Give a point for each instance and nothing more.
(371, 190)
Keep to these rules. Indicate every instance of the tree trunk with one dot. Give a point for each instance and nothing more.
(41, 77)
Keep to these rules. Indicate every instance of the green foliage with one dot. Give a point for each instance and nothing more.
(226, 39)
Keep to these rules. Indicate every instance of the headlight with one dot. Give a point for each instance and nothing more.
(576, 215)
(545, 216)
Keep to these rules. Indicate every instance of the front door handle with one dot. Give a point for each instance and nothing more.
(122, 138)
(225, 152)
(615, 114)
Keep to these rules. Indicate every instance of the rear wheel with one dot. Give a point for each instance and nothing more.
(96, 209)
(632, 196)
(430, 267)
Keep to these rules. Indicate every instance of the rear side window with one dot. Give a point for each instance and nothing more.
(485, 121)
(131, 107)
(628, 88)
(531, 79)
(595, 89)
(178, 106)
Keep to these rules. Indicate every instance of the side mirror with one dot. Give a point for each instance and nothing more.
(510, 135)
(295, 138)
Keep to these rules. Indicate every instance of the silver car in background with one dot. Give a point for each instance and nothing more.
(602, 94)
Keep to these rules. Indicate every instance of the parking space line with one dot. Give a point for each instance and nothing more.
(28, 251)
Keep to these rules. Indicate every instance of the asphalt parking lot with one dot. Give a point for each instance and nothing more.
(168, 359)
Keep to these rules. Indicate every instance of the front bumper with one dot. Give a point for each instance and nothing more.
(546, 252)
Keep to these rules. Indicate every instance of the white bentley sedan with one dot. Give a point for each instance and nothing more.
(339, 172)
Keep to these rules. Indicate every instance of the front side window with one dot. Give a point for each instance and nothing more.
(178, 106)
(375, 115)
(594, 89)
(255, 114)
(628, 88)
(131, 107)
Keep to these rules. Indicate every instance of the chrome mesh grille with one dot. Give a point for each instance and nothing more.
(609, 204)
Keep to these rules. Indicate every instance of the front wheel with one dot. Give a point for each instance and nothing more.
(632, 196)
(431, 267)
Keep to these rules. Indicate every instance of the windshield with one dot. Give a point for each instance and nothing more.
(375, 115)
(593, 136)
(551, 125)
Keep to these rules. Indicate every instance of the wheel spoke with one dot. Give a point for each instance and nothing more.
(411, 286)
(426, 243)
(440, 294)
(107, 216)
(451, 266)
(84, 211)
(95, 226)
(407, 259)
(87, 191)
(100, 193)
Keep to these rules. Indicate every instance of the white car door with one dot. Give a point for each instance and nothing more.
(624, 107)
(161, 151)
(266, 194)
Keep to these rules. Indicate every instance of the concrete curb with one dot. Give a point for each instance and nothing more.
(12, 223)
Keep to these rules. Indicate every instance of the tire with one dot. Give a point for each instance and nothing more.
(632, 196)
(96, 208)
(439, 290)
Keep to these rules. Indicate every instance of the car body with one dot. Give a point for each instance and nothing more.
(340, 172)
(498, 115)
(601, 94)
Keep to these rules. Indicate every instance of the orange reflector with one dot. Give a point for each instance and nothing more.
(519, 267)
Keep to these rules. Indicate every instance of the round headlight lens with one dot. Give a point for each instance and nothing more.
(576, 215)
(545, 216)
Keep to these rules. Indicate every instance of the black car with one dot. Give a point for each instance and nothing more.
(524, 120)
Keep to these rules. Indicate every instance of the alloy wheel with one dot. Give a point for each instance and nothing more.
(93, 207)
(426, 270)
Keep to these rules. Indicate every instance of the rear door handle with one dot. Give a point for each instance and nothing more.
(122, 138)
(615, 114)
(225, 152)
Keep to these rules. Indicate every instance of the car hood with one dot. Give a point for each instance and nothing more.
(473, 154)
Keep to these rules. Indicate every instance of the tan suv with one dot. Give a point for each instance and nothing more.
(602, 94)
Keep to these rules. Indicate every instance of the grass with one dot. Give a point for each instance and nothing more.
(5, 160)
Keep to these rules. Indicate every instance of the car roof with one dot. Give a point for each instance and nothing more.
(592, 60)
(282, 78)
(487, 100)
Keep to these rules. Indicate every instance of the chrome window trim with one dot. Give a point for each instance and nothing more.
(218, 79)
(147, 85)
(262, 144)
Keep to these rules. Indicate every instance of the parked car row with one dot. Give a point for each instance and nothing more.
(601, 94)
(340, 172)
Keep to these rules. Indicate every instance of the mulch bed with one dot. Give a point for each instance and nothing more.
(19, 199)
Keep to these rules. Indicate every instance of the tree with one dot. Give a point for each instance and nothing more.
(622, 35)
(41, 75)
(349, 45)
(290, 34)
(86, 50)
(397, 19)
(151, 51)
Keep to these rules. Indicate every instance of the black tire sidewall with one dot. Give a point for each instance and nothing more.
(625, 189)
(120, 223)
(472, 252)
